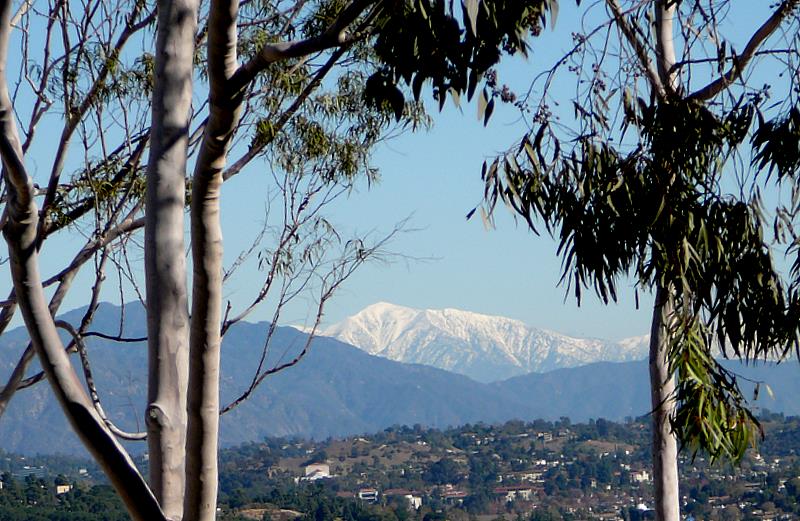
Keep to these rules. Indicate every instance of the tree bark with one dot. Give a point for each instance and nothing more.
(662, 388)
(662, 381)
(165, 266)
(203, 401)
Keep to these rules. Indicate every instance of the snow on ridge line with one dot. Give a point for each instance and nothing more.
(483, 347)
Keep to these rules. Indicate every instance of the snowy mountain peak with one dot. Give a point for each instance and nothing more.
(380, 308)
(484, 347)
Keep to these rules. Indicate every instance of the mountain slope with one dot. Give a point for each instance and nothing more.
(335, 390)
(485, 348)
(340, 390)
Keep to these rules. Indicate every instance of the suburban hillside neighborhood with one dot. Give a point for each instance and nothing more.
(515, 471)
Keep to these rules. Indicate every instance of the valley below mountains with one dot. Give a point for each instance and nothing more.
(339, 390)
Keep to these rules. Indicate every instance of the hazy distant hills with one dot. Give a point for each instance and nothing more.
(339, 389)
(485, 348)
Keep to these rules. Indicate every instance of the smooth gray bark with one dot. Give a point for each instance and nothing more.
(227, 84)
(203, 399)
(662, 380)
(662, 389)
(165, 265)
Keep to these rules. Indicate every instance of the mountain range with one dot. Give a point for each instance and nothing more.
(338, 390)
(485, 348)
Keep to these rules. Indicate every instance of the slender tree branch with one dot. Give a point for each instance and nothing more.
(16, 380)
(356, 254)
(741, 61)
(334, 36)
(127, 226)
(23, 8)
(128, 169)
(638, 47)
(284, 118)
(74, 117)
(64, 278)
(80, 346)
(116, 338)
(766, 52)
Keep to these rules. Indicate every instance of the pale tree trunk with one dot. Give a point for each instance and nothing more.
(20, 233)
(203, 401)
(662, 389)
(662, 381)
(165, 265)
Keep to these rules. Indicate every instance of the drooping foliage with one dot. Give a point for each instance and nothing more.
(450, 44)
(660, 210)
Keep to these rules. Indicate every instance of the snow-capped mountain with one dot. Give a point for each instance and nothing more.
(485, 348)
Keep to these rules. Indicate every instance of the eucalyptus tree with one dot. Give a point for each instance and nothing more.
(315, 90)
(650, 179)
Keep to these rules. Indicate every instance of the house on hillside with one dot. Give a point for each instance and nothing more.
(368, 495)
(514, 492)
(412, 499)
(452, 495)
(640, 476)
(531, 476)
(27, 470)
(317, 471)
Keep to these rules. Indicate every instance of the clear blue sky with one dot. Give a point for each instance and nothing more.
(434, 177)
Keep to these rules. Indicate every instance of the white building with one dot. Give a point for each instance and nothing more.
(317, 471)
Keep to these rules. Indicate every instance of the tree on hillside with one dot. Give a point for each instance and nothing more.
(296, 100)
(650, 178)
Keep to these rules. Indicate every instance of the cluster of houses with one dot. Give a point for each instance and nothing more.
(449, 494)
(527, 487)
(412, 499)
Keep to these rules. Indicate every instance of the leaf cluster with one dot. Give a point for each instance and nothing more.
(450, 46)
(777, 144)
(712, 414)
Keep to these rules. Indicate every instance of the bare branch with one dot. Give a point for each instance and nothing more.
(716, 59)
(244, 255)
(89, 378)
(356, 254)
(64, 278)
(23, 8)
(115, 338)
(15, 381)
